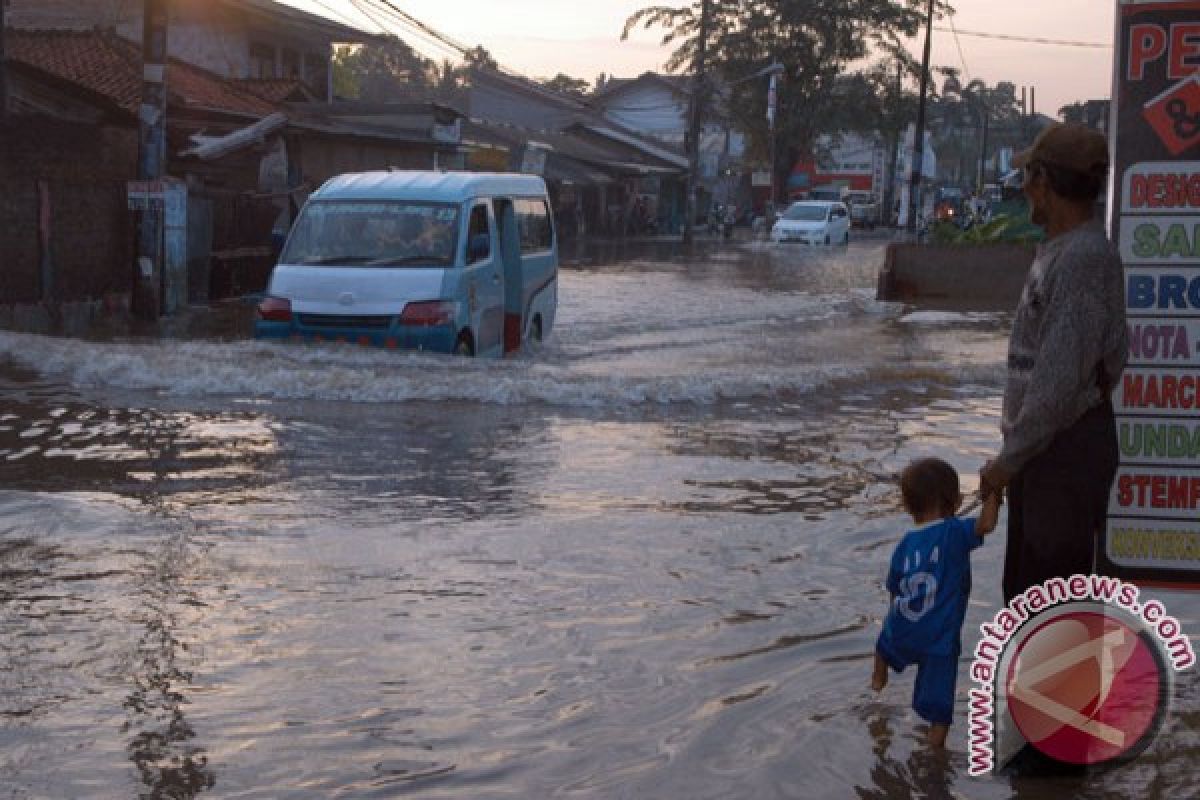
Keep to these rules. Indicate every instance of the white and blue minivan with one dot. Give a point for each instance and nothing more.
(450, 262)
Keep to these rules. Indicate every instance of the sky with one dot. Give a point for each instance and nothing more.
(540, 38)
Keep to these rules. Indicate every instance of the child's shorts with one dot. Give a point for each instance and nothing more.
(933, 692)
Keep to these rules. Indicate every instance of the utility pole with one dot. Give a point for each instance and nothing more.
(918, 151)
(697, 115)
(152, 157)
(3, 67)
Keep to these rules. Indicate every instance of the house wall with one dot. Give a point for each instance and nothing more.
(84, 169)
(653, 110)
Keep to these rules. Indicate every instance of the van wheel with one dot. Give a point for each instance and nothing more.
(826, 238)
(463, 347)
(847, 239)
(535, 330)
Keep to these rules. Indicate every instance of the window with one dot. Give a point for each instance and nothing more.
(533, 220)
(478, 249)
(262, 61)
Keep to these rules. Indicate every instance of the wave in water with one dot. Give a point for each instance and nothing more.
(350, 374)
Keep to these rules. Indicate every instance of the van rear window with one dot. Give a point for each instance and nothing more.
(334, 233)
(533, 220)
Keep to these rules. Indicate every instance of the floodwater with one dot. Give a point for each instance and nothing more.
(645, 561)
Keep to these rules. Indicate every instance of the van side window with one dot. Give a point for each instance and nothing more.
(479, 233)
(533, 219)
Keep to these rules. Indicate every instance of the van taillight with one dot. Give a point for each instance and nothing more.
(425, 315)
(275, 309)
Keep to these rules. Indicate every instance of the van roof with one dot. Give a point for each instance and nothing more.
(446, 187)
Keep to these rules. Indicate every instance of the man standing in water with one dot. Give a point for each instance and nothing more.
(1067, 351)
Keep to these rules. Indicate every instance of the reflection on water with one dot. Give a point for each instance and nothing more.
(645, 563)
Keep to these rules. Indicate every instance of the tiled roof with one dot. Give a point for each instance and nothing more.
(104, 63)
(279, 90)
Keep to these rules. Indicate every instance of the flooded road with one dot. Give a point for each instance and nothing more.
(645, 561)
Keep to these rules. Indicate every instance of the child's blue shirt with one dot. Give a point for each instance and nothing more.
(930, 581)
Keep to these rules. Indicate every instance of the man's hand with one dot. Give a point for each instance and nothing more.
(992, 479)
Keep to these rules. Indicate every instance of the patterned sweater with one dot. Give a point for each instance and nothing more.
(1071, 319)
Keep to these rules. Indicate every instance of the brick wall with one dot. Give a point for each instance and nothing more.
(84, 169)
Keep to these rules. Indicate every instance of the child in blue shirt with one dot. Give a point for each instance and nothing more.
(929, 582)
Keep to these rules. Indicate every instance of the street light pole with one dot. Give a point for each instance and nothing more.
(983, 150)
(694, 126)
(772, 112)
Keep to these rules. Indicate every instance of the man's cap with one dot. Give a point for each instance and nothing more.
(1073, 147)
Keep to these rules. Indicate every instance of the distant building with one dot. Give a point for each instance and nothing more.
(239, 39)
(852, 161)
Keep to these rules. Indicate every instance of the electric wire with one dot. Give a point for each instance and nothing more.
(441, 48)
(1026, 39)
(961, 55)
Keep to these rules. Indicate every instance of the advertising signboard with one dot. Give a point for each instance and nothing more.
(1153, 531)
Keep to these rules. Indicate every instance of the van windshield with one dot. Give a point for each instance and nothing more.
(335, 233)
(807, 213)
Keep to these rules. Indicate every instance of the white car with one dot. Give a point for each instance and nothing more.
(813, 222)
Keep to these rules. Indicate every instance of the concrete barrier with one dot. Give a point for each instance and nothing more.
(974, 277)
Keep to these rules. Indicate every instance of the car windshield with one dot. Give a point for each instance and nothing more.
(373, 234)
(807, 213)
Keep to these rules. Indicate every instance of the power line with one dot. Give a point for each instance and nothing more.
(411, 30)
(958, 44)
(461, 48)
(1026, 39)
(333, 12)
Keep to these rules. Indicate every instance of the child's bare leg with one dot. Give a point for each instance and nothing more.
(937, 735)
(879, 675)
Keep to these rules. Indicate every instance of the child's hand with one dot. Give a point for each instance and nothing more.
(990, 514)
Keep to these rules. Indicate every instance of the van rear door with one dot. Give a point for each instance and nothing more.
(484, 281)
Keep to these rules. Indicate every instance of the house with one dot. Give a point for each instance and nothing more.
(70, 148)
(246, 160)
(607, 178)
(657, 106)
(252, 40)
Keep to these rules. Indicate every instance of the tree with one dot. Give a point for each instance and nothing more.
(817, 41)
(974, 121)
(480, 58)
(385, 70)
(567, 85)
